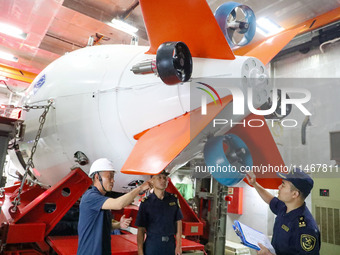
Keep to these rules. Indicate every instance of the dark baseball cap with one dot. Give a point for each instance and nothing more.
(163, 172)
(302, 181)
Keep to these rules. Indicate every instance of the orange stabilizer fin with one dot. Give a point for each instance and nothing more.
(268, 49)
(308, 25)
(264, 151)
(191, 22)
(161, 144)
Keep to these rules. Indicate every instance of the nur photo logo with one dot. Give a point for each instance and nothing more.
(204, 98)
(245, 98)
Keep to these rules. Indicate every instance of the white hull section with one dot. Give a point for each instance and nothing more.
(99, 105)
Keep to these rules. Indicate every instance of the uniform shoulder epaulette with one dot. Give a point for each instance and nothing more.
(302, 222)
(145, 198)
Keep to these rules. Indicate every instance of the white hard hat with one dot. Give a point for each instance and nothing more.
(102, 164)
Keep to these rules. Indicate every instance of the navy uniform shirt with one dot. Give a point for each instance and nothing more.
(159, 217)
(295, 232)
(94, 226)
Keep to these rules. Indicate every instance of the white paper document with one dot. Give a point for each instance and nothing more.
(253, 237)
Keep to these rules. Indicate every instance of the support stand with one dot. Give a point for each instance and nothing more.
(24, 230)
(219, 222)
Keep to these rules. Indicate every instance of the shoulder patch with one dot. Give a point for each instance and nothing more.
(285, 228)
(307, 242)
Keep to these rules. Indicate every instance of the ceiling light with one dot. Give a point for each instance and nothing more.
(267, 27)
(8, 56)
(12, 31)
(123, 26)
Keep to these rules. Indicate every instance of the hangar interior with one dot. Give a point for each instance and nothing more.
(54, 28)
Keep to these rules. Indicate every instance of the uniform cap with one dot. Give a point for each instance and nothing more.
(100, 165)
(164, 172)
(302, 181)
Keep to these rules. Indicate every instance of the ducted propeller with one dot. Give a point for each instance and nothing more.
(173, 63)
(238, 23)
(227, 157)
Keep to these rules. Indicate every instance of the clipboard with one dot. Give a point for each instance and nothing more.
(251, 237)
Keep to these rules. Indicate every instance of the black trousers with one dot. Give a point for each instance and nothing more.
(159, 245)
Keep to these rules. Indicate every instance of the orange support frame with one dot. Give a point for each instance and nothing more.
(16, 74)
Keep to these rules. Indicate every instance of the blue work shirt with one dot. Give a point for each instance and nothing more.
(296, 232)
(94, 226)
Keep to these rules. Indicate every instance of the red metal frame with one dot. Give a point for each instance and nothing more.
(120, 244)
(191, 224)
(127, 244)
(24, 231)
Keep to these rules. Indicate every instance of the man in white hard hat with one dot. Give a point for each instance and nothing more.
(95, 223)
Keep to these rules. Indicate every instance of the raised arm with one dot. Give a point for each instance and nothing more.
(264, 194)
(120, 202)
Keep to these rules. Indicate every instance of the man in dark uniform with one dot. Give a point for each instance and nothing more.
(295, 230)
(159, 216)
(95, 223)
